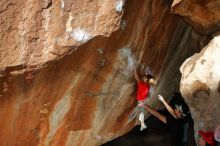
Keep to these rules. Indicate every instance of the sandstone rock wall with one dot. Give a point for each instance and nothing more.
(200, 84)
(36, 31)
(203, 15)
(200, 73)
(66, 66)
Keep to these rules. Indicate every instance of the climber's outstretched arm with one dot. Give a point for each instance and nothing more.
(136, 75)
(168, 107)
(154, 113)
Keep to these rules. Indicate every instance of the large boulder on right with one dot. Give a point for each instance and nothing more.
(200, 85)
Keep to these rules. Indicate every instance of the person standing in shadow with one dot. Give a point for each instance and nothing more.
(174, 120)
(188, 125)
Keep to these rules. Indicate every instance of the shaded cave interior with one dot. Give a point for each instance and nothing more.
(157, 133)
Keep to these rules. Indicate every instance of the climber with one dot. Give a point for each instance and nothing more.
(142, 92)
(206, 138)
(174, 120)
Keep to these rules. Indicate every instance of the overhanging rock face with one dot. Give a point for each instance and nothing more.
(203, 15)
(66, 66)
(43, 30)
(200, 85)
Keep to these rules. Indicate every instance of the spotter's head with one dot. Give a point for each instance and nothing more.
(178, 111)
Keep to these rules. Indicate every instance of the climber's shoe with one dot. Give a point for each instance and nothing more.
(143, 126)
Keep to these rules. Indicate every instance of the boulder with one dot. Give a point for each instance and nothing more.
(200, 84)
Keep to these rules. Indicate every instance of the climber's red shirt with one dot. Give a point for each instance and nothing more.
(143, 90)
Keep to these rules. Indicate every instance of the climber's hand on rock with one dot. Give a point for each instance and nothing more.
(161, 98)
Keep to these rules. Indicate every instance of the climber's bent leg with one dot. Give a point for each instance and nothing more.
(141, 117)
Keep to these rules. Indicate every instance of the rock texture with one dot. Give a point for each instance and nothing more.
(200, 73)
(200, 84)
(42, 30)
(203, 15)
(66, 66)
